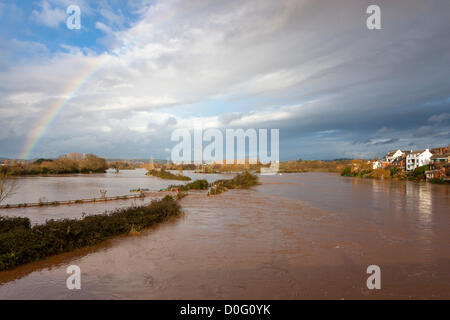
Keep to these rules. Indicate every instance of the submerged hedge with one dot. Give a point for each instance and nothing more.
(195, 185)
(243, 180)
(20, 243)
(163, 174)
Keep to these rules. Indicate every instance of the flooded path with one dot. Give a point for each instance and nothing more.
(296, 236)
(83, 186)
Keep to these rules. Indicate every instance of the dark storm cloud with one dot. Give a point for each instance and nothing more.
(377, 141)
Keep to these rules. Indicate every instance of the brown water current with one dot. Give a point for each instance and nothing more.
(295, 236)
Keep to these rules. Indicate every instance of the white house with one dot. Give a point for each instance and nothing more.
(376, 164)
(417, 159)
(392, 155)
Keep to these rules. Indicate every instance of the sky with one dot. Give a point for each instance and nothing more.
(137, 70)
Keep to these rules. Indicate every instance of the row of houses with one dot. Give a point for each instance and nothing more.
(437, 158)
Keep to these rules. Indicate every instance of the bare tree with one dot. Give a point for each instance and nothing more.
(8, 186)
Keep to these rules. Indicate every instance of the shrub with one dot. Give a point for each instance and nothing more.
(347, 172)
(10, 224)
(418, 173)
(394, 171)
(365, 172)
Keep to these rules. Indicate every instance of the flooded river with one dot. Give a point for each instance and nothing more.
(295, 236)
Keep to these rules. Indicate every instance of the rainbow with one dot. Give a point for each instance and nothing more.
(73, 87)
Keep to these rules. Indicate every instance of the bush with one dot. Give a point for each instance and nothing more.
(365, 172)
(418, 173)
(11, 224)
(394, 171)
(346, 172)
(420, 170)
(20, 243)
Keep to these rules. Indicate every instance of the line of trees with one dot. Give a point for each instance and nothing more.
(312, 166)
(71, 163)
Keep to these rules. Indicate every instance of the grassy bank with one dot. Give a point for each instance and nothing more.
(20, 243)
(163, 174)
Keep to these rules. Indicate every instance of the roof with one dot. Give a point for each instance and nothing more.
(441, 156)
(391, 153)
(417, 151)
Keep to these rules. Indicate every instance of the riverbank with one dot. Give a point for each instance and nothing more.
(393, 173)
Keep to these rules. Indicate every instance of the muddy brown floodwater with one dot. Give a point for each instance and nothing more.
(296, 236)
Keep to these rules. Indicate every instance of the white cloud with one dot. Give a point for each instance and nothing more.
(439, 117)
(112, 18)
(384, 130)
(48, 16)
(101, 26)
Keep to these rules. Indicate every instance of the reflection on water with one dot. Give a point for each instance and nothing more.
(294, 236)
(420, 196)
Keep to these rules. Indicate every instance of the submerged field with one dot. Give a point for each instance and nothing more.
(21, 243)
